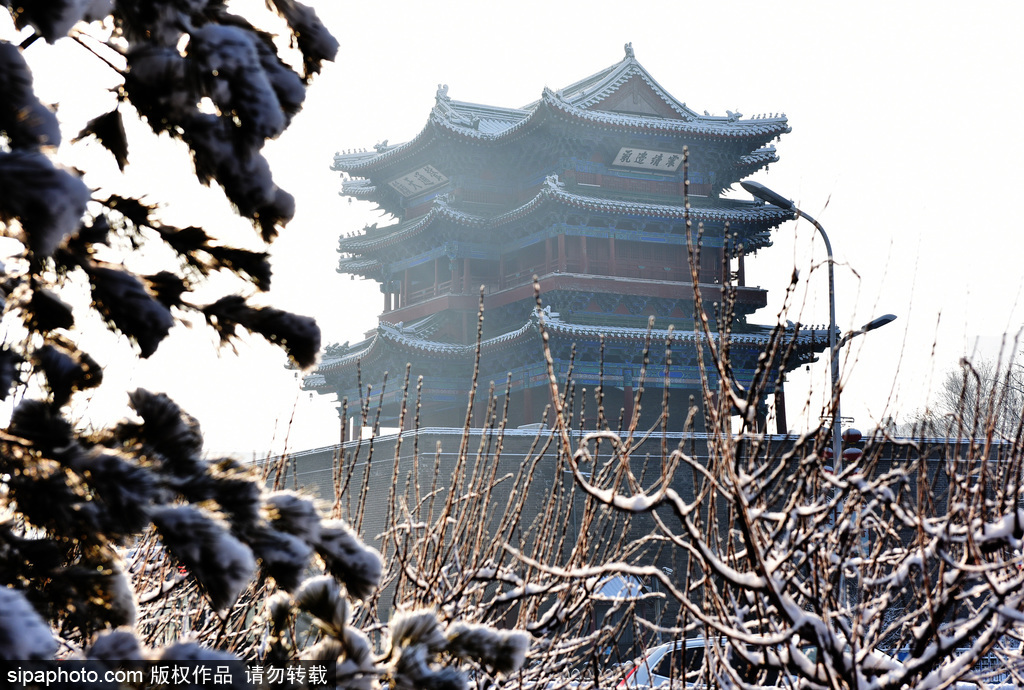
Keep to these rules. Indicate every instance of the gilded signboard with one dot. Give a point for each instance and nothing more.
(648, 159)
(418, 181)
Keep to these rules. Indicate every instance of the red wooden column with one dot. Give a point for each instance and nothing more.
(467, 276)
(547, 255)
(561, 253)
(627, 405)
(761, 423)
(437, 278)
(742, 273)
(612, 268)
(584, 261)
(781, 426)
(627, 397)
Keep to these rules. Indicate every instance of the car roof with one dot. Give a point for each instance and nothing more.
(690, 643)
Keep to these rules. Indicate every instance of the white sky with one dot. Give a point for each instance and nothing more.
(905, 145)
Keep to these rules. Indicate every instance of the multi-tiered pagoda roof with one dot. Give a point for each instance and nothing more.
(602, 191)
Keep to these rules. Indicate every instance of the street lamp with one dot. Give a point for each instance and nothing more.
(761, 192)
(869, 326)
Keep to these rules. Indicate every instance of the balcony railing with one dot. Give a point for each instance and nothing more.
(602, 269)
(596, 268)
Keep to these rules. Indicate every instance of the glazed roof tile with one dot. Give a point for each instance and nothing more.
(706, 125)
(590, 91)
(578, 102)
(358, 265)
(556, 325)
(358, 188)
(485, 119)
(761, 157)
(407, 338)
(553, 191)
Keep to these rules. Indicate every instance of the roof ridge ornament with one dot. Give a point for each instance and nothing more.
(544, 315)
(442, 93)
(557, 96)
(629, 51)
(553, 183)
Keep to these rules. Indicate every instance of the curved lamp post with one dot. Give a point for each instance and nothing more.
(869, 326)
(761, 192)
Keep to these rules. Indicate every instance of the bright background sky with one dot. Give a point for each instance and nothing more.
(906, 145)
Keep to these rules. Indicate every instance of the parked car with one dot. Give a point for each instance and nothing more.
(680, 664)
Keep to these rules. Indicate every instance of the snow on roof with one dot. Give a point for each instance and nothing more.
(709, 125)
(762, 156)
(410, 338)
(486, 119)
(358, 265)
(556, 325)
(620, 587)
(358, 188)
(553, 191)
(579, 101)
(590, 91)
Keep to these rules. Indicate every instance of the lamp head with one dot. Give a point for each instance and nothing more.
(764, 194)
(879, 322)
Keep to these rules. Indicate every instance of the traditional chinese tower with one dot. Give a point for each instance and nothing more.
(584, 189)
